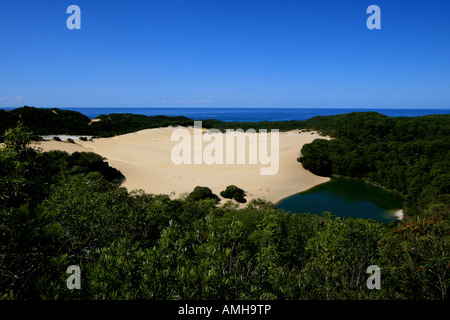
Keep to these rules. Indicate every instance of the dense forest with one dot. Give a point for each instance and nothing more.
(409, 155)
(43, 121)
(58, 210)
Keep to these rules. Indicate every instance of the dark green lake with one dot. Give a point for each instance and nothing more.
(346, 198)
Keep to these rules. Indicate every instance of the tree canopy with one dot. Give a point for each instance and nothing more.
(408, 155)
(233, 192)
(59, 210)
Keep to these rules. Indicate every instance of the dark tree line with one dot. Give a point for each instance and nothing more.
(43, 121)
(409, 155)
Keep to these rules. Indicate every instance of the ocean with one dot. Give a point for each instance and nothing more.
(252, 114)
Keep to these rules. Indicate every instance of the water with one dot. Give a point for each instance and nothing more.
(253, 114)
(346, 198)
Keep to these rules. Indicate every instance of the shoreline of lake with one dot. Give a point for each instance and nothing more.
(347, 198)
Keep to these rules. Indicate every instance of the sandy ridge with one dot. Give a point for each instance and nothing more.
(144, 158)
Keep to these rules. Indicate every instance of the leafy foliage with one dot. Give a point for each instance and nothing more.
(21, 172)
(410, 155)
(60, 163)
(233, 192)
(122, 123)
(202, 193)
(43, 121)
(132, 245)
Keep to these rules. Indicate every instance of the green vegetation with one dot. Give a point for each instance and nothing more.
(269, 125)
(233, 192)
(409, 155)
(44, 121)
(22, 171)
(61, 163)
(202, 193)
(122, 123)
(54, 121)
(58, 210)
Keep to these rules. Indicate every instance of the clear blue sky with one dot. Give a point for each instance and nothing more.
(225, 53)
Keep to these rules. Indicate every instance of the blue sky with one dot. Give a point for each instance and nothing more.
(225, 53)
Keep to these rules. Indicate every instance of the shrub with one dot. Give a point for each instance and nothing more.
(233, 192)
(202, 193)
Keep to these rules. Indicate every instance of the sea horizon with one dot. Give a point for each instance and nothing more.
(239, 114)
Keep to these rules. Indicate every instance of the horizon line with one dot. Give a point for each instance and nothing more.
(196, 107)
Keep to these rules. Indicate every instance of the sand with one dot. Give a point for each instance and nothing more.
(144, 158)
(399, 214)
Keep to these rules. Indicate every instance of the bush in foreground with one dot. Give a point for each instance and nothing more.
(202, 193)
(233, 192)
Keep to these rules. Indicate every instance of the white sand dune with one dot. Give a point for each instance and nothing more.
(144, 158)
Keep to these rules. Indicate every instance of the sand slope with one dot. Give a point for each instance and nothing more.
(144, 158)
